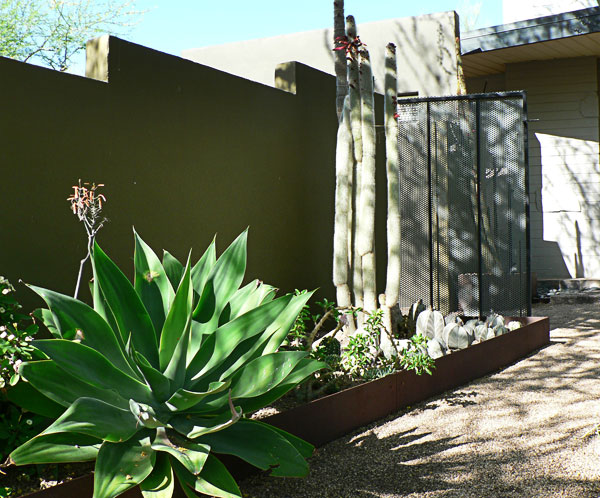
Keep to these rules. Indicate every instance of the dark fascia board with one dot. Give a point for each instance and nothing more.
(554, 27)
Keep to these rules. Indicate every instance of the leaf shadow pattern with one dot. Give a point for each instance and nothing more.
(453, 398)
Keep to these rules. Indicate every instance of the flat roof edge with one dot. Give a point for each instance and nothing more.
(553, 27)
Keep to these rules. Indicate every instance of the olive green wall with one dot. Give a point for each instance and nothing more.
(185, 151)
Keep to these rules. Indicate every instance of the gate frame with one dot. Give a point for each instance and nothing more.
(478, 97)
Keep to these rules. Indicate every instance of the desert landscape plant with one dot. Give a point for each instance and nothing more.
(158, 377)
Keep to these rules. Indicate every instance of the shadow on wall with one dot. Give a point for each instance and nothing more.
(426, 52)
(185, 151)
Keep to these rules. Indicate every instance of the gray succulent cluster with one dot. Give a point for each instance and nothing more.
(452, 333)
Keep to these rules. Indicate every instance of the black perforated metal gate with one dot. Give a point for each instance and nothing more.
(464, 203)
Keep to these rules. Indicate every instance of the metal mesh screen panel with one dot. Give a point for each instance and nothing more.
(414, 203)
(502, 187)
(463, 204)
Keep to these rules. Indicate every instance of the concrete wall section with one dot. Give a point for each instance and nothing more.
(185, 151)
(426, 53)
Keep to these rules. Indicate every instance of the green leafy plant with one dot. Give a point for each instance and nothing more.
(157, 378)
(415, 356)
(307, 325)
(16, 334)
(362, 353)
(17, 427)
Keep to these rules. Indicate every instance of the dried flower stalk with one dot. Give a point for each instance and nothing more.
(86, 204)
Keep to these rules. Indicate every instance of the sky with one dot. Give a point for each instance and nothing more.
(174, 25)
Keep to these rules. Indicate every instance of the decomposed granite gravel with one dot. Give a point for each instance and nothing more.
(526, 431)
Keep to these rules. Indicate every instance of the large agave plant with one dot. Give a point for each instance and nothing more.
(158, 377)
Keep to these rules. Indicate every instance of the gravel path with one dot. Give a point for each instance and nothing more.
(527, 431)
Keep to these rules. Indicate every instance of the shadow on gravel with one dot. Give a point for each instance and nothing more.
(452, 398)
(368, 466)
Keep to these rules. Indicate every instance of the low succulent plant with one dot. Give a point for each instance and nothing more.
(514, 325)
(500, 330)
(156, 378)
(456, 336)
(436, 348)
(494, 320)
(482, 332)
(430, 323)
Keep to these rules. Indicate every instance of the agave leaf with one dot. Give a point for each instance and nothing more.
(47, 318)
(304, 369)
(160, 385)
(178, 320)
(304, 448)
(160, 482)
(121, 466)
(196, 426)
(56, 448)
(65, 388)
(269, 341)
(279, 329)
(173, 268)
(93, 368)
(77, 319)
(96, 418)
(29, 398)
(101, 306)
(266, 292)
(219, 345)
(182, 399)
(190, 454)
(223, 280)
(263, 373)
(127, 308)
(202, 268)
(214, 480)
(176, 369)
(260, 446)
(248, 297)
(151, 282)
(243, 300)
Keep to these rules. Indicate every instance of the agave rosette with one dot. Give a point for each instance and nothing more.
(157, 378)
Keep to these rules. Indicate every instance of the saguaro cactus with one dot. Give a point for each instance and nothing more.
(344, 164)
(354, 256)
(339, 34)
(392, 289)
(366, 213)
(356, 126)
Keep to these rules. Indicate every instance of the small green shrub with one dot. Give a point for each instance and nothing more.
(16, 334)
(415, 357)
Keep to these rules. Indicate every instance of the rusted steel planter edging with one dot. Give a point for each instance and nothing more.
(333, 416)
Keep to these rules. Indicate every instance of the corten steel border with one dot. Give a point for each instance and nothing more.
(328, 418)
(333, 416)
